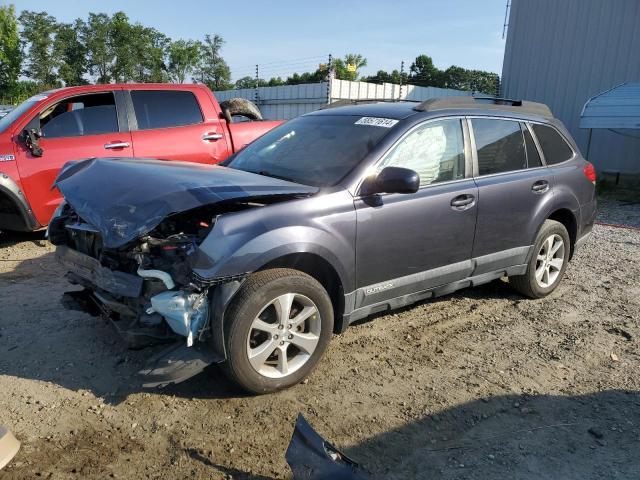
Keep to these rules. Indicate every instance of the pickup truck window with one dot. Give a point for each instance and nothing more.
(317, 150)
(80, 116)
(162, 109)
(17, 112)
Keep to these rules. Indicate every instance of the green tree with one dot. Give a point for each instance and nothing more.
(250, 82)
(473, 80)
(245, 82)
(184, 57)
(95, 35)
(212, 69)
(423, 72)
(38, 29)
(275, 82)
(342, 68)
(10, 53)
(72, 53)
(148, 50)
(121, 40)
(385, 77)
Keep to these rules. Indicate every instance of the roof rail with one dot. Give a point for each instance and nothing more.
(356, 101)
(492, 103)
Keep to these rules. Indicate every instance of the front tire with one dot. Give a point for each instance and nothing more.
(276, 329)
(548, 263)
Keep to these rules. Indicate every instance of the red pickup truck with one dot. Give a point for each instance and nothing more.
(172, 122)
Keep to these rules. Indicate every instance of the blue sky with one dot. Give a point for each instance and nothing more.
(288, 35)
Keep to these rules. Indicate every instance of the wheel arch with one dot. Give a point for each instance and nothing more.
(567, 218)
(323, 271)
(15, 212)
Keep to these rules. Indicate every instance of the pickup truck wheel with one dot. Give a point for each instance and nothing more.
(548, 262)
(277, 329)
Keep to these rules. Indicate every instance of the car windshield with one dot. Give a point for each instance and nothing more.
(316, 150)
(17, 112)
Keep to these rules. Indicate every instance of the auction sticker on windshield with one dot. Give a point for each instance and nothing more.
(377, 122)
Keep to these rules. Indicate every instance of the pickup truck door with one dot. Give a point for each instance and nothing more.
(73, 128)
(177, 125)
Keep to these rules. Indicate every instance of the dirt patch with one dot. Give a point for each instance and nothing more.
(479, 384)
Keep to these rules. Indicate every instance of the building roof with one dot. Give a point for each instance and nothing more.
(618, 107)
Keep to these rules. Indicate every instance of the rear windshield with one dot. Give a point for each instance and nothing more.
(13, 115)
(316, 150)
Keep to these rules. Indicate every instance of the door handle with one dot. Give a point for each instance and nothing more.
(540, 186)
(212, 136)
(111, 146)
(462, 202)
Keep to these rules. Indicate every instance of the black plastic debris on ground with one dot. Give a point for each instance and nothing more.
(312, 458)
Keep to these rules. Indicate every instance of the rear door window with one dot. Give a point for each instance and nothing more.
(80, 116)
(533, 157)
(162, 109)
(555, 148)
(500, 145)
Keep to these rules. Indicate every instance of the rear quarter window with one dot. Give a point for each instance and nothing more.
(554, 147)
(162, 109)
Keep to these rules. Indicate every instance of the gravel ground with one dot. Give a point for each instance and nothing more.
(479, 384)
(616, 212)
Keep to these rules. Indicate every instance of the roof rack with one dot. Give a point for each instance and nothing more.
(353, 101)
(492, 103)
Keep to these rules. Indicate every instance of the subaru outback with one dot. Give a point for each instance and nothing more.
(331, 217)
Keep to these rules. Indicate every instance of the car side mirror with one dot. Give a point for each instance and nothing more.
(31, 138)
(392, 180)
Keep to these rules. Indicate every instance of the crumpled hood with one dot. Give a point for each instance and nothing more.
(125, 198)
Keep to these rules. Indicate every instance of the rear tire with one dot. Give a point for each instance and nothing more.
(548, 263)
(276, 330)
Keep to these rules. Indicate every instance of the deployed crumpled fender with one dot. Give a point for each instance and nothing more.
(311, 457)
(126, 198)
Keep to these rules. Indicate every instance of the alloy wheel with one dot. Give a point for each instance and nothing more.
(550, 261)
(284, 335)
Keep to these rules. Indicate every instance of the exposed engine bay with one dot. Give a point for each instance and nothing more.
(146, 287)
(133, 244)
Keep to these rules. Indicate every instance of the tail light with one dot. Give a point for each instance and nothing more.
(590, 173)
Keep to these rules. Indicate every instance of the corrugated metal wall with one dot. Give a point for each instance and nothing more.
(563, 52)
(289, 101)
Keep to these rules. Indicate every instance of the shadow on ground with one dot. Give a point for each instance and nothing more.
(526, 437)
(583, 437)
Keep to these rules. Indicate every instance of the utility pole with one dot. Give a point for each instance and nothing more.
(256, 96)
(401, 75)
(329, 78)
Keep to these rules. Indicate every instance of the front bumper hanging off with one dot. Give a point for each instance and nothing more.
(175, 363)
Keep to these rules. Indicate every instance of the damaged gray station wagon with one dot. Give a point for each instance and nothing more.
(324, 220)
